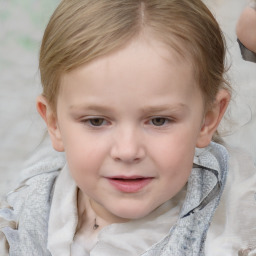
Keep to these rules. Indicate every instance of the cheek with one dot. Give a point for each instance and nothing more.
(84, 155)
(83, 158)
(174, 148)
(84, 166)
(174, 159)
(175, 169)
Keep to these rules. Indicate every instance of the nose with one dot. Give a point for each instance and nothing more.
(128, 146)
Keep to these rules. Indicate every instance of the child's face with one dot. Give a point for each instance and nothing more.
(129, 123)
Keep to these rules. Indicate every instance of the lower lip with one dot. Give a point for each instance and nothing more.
(130, 186)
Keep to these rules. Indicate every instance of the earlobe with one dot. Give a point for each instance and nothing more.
(212, 118)
(50, 119)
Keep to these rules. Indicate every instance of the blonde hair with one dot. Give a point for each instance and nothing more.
(81, 30)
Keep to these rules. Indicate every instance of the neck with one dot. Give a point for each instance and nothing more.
(105, 215)
(99, 215)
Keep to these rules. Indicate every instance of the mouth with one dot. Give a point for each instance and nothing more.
(131, 184)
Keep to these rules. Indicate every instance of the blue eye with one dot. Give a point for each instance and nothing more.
(159, 121)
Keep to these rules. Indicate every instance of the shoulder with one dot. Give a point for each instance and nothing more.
(24, 213)
(5, 223)
(233, 229)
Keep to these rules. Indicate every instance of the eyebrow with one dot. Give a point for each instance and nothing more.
(159, 108)
(146, 109)
(96, 108)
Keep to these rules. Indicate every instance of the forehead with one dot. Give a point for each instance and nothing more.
(146, 67)
(147, 50)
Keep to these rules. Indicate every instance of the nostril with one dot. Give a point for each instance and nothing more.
(127, 150)
(126, 159)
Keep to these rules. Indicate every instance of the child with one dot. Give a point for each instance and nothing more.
(133, 93)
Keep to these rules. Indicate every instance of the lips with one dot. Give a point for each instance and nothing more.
(131, 184)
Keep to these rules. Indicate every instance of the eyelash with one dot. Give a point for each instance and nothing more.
(164, 120)
(89, 121)
(102, 121)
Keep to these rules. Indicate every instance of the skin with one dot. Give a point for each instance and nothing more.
(246, 28)
(135, 112)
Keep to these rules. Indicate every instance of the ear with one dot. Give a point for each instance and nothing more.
(212, 118)
(51, 121)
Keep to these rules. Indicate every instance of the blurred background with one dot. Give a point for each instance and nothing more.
(22, 23)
